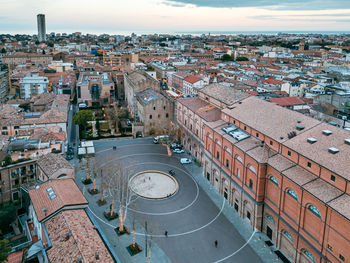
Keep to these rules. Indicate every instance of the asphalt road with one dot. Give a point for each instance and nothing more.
(192, 220)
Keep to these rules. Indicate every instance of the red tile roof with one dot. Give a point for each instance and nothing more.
(74, 237)
(192, 79)
(67, 194)
(287, 101)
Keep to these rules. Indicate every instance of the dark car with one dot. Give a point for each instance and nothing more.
(172, 172)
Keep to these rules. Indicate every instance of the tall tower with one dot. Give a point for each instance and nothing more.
(41, 28)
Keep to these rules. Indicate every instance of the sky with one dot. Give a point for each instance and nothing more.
(169, 16)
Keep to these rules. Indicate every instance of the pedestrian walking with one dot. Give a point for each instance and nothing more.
(166, 233)
(216, 243)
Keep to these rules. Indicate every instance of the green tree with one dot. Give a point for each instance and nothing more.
(8, 214)
(226, 57)
(7, 161)
(24, 106)
(242, 59)
(5, 249)
(82, 117)
(3, 50)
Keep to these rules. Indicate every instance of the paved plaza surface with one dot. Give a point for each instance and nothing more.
(192, 218)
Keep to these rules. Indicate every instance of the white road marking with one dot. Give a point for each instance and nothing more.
(238, 250)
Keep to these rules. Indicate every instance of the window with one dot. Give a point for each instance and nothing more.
(217, 155)
(333, 178)
(150, 116)
(257, 135)
(270, 218)
(250, 183)
(309, 255)
(154, 108)
(234, 122)
(341, 257)
(245, 128)
(271, 142)
(164, 107)
(227, 163)
(289, 153)
(238, 172)
(292, 194)
(158, 116)
(288, 235)
(167, 115)
(274, 180)
(309, 164)
(314, 210)
(15, 196)
(191, 127)
(248, 215)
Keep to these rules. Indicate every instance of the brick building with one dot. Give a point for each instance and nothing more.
(286, 174)
(95, 89)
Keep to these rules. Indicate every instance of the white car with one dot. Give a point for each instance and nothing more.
(185, 160)
(178, 151)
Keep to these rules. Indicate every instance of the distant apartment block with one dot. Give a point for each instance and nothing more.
(41, 28)
(21, 58)
(4, 85)
(32, 85)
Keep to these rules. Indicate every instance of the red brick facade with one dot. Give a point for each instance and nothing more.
(296, 198)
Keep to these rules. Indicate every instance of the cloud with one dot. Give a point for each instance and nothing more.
(306, 18)
(271, 4)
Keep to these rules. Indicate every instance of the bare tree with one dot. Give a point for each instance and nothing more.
(121, 192)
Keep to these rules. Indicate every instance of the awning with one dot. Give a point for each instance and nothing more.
(35, 249)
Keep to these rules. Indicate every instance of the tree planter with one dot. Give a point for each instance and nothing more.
(133, 250)
(101, 203)
(125, 231)
(87, 181)
(93, 191)
(109, 217)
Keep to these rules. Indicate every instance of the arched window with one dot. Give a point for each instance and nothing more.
(251, 168)
(274, 180)
(314, 210)
(239, 158)
(288, 235)
(309, 255)
(270, 218)
(293, 194)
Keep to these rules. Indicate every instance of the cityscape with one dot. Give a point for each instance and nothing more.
(181, 131)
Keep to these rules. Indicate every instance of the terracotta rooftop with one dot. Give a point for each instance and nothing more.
(269, 119)
(202, 108)
(54, 195)
(192, 79)
(224, 94)
(51, 163)
(299, 175)
(342, 205)
(319, 151)
(75, 238)
(280, 163)
(322, 190)
(287, 101)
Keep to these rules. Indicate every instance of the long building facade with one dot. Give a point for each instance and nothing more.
(286, 174)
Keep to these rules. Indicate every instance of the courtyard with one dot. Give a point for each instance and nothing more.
(175, 216)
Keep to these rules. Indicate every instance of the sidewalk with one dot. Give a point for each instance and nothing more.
(257, 243)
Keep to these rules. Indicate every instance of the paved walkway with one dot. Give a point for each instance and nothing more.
(258, 241)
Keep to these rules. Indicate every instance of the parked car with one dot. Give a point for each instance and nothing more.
(178, 151)
(185, 160)
(175, 146)
(171, 172)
